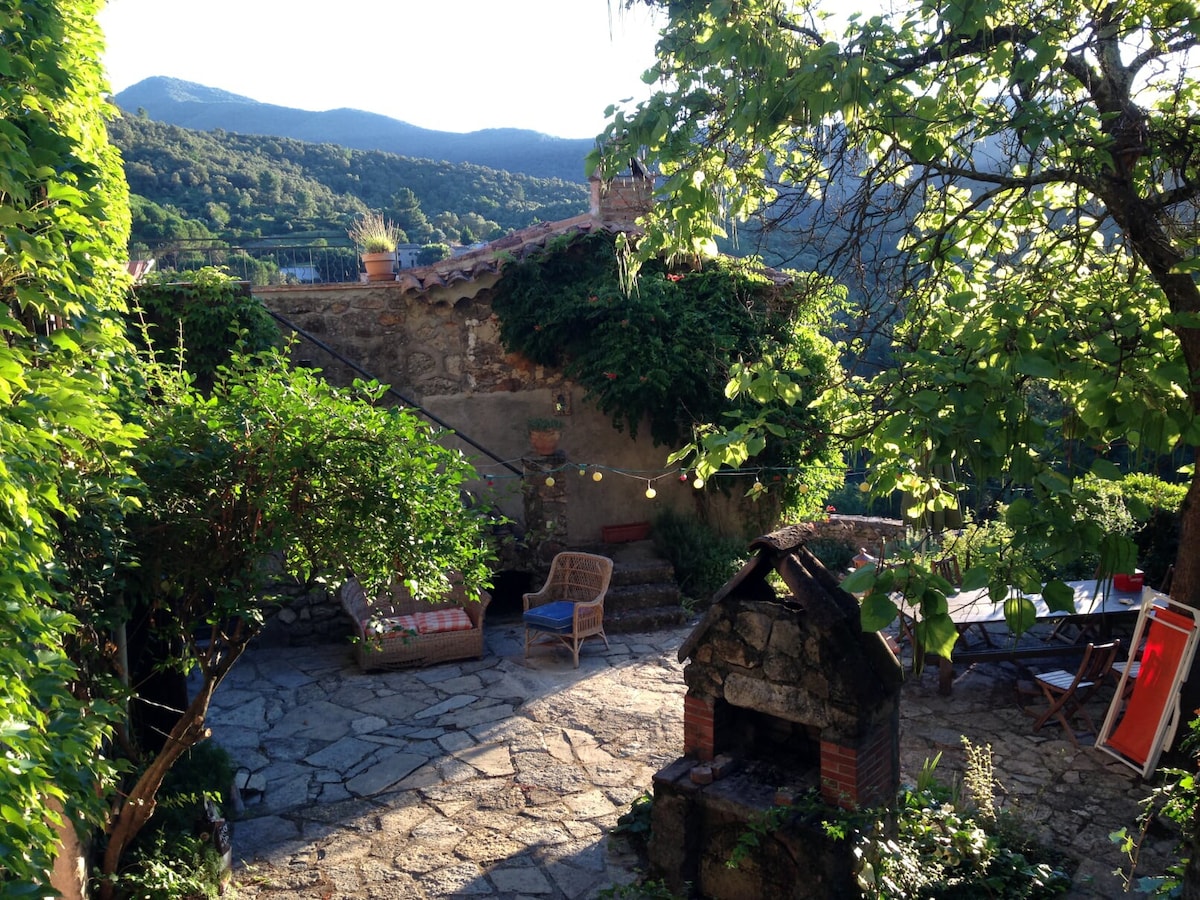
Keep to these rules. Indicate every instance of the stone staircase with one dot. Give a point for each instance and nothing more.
(643, 594)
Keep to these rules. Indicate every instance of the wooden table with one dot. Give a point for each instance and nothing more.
(1093, 605)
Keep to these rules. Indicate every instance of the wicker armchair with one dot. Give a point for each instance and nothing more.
(570, 606)
(400, 631)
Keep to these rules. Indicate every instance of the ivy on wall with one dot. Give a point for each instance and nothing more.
(211, 312)
(664, 352)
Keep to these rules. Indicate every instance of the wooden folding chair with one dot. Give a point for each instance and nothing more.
(1067, 692)
(1142, 720)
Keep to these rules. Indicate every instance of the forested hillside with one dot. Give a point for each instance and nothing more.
(196, 106)
(190, 184)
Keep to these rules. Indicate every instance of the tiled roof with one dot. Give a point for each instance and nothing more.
(489, 259)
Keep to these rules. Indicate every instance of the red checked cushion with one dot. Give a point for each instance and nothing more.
(391, 624)
(443, 620)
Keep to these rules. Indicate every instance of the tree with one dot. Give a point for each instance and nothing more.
(1030, 170)
(275, 478)
(64, 225)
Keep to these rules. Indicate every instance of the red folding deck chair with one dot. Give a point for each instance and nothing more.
(1137, 729)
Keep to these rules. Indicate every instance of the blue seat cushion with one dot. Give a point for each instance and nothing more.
(558, 617)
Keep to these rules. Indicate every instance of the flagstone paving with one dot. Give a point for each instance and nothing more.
(503, 777)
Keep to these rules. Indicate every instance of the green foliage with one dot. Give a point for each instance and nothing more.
(193, 184)
(1152, 493)
(172, 866)
(432, 253)
(64, 223)
(937, 844)
(758, 828)
(703, 560)
(835, 555)
(663, 353)
(544, 423)
(941, 847)
(642, 890)
(939, 852)
(635, 822)
(172, 858)
(274, 477)
(211, 314)
(1043, 254)
(1177, 799)
(205, 771)
(289, 464)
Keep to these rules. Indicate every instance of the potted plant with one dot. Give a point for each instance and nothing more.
(376, 239)
(544, 434)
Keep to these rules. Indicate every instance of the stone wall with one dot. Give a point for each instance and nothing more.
(303, 618)
(868, 533)
(441, 349)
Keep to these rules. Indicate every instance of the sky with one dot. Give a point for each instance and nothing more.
(450, 65)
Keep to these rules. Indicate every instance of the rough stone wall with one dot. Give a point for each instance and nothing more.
(304, 618)
(445, 342)
(868, 533)
(442, 350)
(770, 657)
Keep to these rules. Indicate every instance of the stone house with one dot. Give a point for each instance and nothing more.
(432, 335)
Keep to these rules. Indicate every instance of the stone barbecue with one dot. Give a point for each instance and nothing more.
(787, 698)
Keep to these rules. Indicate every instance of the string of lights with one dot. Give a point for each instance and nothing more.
(598, 471)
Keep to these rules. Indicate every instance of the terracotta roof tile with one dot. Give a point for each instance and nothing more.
(488, 260)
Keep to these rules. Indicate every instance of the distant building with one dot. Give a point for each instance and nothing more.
(406, 255)
(300, 274)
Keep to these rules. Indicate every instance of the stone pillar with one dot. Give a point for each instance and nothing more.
(546, 524)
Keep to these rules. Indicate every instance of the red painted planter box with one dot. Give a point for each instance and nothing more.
(621, 534)
(1129, 583)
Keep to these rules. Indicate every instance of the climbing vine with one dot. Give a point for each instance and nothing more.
(211, 313)
(663, 353)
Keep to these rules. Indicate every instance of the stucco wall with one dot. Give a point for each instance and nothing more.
(442, 350)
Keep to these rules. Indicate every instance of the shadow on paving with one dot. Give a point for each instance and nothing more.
(498, 777)
(504, 777)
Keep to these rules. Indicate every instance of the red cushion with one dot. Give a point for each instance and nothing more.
(437, 620)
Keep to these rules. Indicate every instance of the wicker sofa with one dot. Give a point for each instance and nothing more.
(401, 631)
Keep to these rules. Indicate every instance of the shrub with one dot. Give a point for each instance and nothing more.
(703, 560)
(1156, 503)
(944, 849)
(171, 858)
(212, 314)
(372, 233)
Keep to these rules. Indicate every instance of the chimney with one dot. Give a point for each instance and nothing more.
(622, 198)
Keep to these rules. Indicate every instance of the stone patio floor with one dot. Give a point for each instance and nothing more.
(503, 777)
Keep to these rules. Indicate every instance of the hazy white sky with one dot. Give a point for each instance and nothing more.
(451, 65)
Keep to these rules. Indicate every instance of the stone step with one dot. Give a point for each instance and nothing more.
(643, 572)
(641, 596)
(648, 619)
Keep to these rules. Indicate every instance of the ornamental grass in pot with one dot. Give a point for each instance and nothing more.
(376, 239)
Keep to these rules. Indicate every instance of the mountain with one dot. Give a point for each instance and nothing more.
(202, 108)
(189, 184)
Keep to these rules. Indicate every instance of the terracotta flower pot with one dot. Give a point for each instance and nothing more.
(379, 266)
(544, 442)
